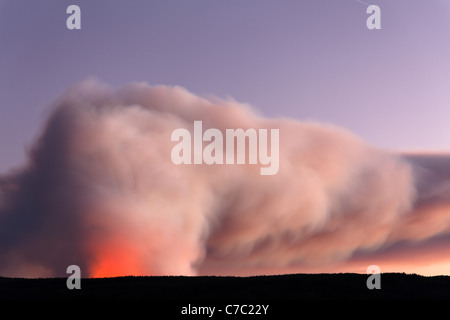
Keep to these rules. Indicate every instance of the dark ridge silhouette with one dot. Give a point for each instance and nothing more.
(259, 288)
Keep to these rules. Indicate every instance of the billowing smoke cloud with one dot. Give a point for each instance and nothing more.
(100, 191)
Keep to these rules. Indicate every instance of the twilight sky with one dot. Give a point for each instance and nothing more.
(102, 157)
(311, 59)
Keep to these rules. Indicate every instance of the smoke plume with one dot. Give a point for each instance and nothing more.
(100, 190)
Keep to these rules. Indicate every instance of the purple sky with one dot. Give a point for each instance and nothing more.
(312, 59)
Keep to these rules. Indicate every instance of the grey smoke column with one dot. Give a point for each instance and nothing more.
(100, 191)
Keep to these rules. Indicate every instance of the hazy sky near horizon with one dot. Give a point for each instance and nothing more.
(309, 60)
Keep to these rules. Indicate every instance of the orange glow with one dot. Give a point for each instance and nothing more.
(116, 259)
